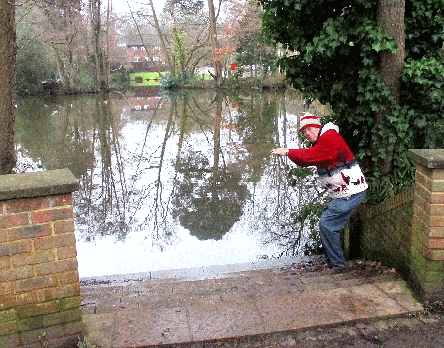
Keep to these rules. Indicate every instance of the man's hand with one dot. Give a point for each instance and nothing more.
(281, 151)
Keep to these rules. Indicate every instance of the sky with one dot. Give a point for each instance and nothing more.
(122, 5)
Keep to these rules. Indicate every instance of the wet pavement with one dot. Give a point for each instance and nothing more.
(243, 300)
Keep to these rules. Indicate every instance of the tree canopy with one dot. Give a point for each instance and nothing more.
(334, 55)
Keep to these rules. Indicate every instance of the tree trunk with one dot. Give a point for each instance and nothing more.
(391, 17)
(214, 44)
(106, 64)
(8, 54)
(179, 49)
(95, 25)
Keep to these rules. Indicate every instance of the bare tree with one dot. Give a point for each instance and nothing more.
(8, 54)
(106, 56)
(60, 26)
(182, 29)
(94, 7)
(161, 38)
(214, 43)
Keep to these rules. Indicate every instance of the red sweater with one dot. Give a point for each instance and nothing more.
(329, 151)
(338, 172)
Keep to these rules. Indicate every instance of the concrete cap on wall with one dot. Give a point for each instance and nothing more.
(35, 184)
(429, 158)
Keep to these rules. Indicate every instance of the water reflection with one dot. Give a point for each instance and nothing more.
(170, 181)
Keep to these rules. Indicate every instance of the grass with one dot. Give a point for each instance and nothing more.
(205, 77)
(145, 79)
(153, 78)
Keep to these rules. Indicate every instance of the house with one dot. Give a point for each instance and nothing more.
(145, 54)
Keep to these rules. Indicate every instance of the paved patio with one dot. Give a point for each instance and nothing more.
(213, 303)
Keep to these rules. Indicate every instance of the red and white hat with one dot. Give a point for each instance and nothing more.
(309, 120)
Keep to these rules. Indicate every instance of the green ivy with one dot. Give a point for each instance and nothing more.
(335, 56)
(423, 81)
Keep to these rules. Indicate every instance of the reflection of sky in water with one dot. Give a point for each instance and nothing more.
(156, 240)
(106, 256)
(142, 251)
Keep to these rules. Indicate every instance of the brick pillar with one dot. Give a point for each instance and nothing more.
(39, 280)
(428, 224)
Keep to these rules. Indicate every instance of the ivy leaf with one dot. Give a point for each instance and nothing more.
(321, 49)
(377, 46)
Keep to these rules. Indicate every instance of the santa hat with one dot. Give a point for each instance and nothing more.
(309, 120)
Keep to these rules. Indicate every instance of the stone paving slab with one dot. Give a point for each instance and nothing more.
(173, 310)
(196, 273)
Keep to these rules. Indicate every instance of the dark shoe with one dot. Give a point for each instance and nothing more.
(340, 270)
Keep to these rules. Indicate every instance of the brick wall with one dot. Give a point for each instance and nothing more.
(39, 281)
(407, 231)
(428, 225)
(387, 231)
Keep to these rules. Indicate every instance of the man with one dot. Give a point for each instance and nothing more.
(341, 176)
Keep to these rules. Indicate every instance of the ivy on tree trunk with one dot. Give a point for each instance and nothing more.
(391, 19)
(8, 54)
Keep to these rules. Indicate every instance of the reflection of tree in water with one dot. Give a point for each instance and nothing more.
(295, 196)
(208, 205)
(257, 122)
(290, 211)
(102, 205)
(157, 218)
(50, 131)
(207, 197)
(80, 133)
(279, 210)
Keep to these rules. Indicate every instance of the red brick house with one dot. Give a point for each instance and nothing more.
(145, 54)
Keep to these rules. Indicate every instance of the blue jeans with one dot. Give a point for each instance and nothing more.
(335, 215)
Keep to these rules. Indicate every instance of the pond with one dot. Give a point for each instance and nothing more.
(171, 181)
